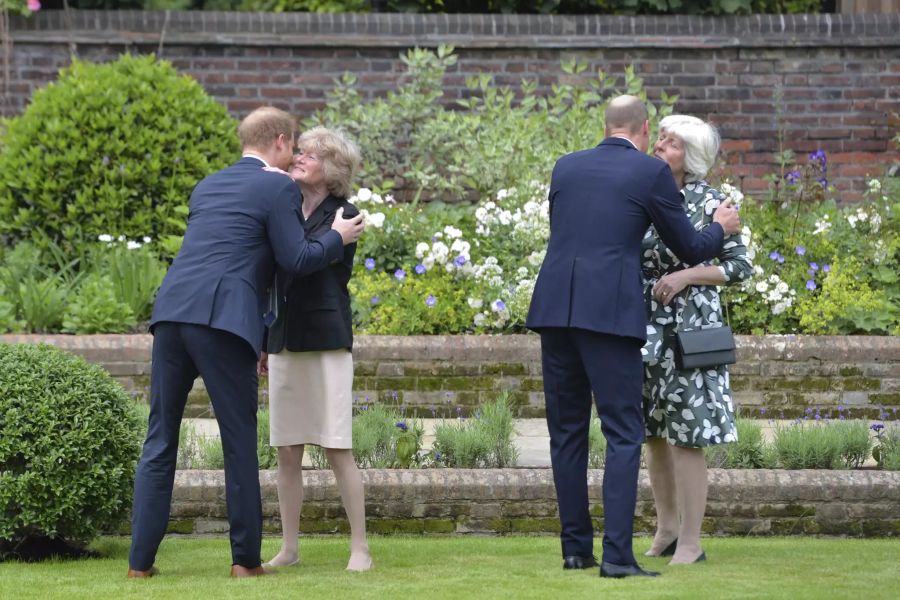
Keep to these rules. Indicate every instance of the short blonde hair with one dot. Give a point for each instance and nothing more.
(261, 128)
(339, 156)
(701, 143)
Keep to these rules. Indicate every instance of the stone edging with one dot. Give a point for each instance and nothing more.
(465, 30)
(497, 501)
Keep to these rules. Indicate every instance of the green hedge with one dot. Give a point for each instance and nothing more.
(109, 149)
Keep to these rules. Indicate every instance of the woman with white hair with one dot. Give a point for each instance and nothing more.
(309, 362)
(685, 410)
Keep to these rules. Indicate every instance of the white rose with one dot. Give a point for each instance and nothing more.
(421, 249)
(479, 320)
(762, 287)
(475, 303)
(364, 194)
(104, 237)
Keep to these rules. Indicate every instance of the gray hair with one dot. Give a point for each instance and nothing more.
(339, 155)
(701, 143)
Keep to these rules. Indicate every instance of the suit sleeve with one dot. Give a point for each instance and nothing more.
(675, 228)
(294, 252)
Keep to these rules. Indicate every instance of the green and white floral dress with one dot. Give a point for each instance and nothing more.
(691, 408)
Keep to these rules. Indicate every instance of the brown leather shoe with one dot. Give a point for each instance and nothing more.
(241, 571)
(135, 574)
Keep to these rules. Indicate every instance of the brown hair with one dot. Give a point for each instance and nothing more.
(261, 128)
(339, 156)
(626, 112)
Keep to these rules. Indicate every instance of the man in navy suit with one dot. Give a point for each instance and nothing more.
(208, 321)
(588, 308)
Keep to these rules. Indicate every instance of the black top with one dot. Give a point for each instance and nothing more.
(314, 310)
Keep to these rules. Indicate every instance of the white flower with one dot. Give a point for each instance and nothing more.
(375, 220)
(874, 186)
(536, 258)
(852, 219)
(389, 199)
(421, 249)
(479, 319)
(104, 237)
(452, 232)
(522, 272)
(782, 287)
(822, 225)
(364, 194)
(762, 287)
(475, 303)
(147, 239)
(133, 245)
(779, 308)
(377, 199)
(501, 194)
(121, 238)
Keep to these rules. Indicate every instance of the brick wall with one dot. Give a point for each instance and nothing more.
(828, 81)
(775, 376)
(523, 501)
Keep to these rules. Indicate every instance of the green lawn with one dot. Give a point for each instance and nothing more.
(474, 567)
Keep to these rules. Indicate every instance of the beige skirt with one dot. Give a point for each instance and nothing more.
(310, 398)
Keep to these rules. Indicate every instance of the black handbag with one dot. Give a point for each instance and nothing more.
(701, 348)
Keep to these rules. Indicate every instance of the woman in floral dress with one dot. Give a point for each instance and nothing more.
(685, 410)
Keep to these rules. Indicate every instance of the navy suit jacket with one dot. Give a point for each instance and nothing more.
(242, 221)
(602, 201)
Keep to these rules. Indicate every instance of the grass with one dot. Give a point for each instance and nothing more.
(473, 567)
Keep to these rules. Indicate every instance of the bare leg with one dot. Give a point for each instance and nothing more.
(350, 485)
(661, 469)
(290, 501)
(690, 473)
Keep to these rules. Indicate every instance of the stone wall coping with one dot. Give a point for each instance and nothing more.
(465, 30)
(448, 485)
(512, 348)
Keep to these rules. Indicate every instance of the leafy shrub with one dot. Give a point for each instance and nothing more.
(484, 441)
(831, 445)
(136, 273)
(110, 149)
(95, 308)
(68, 450)
(376, 430)
(265, 454)
(750, 451)
(887, 449)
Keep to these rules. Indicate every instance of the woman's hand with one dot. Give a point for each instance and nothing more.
(669, 286)
(263, 364)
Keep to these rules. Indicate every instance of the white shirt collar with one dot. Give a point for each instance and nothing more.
(257, 157)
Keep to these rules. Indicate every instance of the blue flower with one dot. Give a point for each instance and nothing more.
(459, 260)
(810, 285)
(819, 157)
(813, 267)
(430, 300)
(370, 264)
(420, 269)
(826, 268)
(793, 177)
(876, 427)
(401, 426)
(776, 255)
(400, 274)
(823, 182)
(499, 305)
(375, 300)
(800, 250)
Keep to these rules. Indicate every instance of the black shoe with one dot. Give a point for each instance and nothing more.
(670, 549)
(619, 571)
(579, 562)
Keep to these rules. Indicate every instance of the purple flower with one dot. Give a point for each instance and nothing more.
(430, 300)
(819, 157)
(499, 305)
(375, 300)
(876, 427)
(810, 285)
(420, 268)
(826, 268)
(800, 250)
(370, 264)
(823, 182)
(762, 411)
(813, 268)
(840, 407)
(459, 260)
(793, 177)
(400, 274)
(401, 426)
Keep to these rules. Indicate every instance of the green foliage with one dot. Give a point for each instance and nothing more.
(596, 443)
(109, 148)
(136, 273)
(265, 454)
(376, 430)
(68, 449)
(95, 308)
(484, 441)
(886, 451)
(750, 451)
(806, 446)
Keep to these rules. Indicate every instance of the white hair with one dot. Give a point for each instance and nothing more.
(701, 143)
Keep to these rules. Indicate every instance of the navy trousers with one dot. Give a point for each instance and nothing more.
(227, 365)
(575, 363)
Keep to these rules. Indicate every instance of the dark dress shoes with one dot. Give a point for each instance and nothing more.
(670, 549)
(579, 562)
(619, 571)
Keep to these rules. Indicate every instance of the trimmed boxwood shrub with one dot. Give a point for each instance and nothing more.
(110, 149)
(69, 442)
